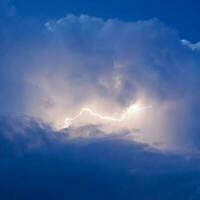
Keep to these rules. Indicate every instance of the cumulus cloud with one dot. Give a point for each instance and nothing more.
(83, 61)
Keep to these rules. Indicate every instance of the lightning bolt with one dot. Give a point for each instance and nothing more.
(131, 109)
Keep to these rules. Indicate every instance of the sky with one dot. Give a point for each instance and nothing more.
(172, 14)
(99, 99)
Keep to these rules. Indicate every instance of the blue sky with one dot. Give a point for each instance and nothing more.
(99, 99)
(180, 15)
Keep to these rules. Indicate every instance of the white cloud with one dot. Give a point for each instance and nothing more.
(193, 46)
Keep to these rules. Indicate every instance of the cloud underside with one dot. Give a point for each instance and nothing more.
(38, 163)
(83, 61)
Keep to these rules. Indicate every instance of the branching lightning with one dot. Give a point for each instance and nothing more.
(130, 110)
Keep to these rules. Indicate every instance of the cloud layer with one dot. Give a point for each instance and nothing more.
(79, 61)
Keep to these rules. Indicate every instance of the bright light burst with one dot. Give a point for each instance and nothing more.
(130, 111)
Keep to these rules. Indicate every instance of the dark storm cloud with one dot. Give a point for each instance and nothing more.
(37, 163)
(51, 70)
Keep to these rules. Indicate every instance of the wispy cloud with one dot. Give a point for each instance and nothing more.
(193, 46)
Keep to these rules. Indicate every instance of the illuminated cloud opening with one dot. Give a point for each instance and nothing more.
(129, 112)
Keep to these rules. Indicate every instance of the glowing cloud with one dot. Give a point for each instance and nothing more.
(131, 110)
(91, 70)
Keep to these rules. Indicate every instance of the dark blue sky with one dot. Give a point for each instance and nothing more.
(182, 15)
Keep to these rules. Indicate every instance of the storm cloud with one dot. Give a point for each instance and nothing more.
(52, 72)
(39, 163)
